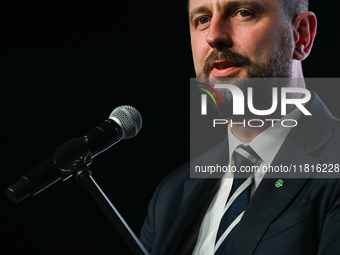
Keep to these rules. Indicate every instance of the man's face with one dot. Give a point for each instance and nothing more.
(240, 39)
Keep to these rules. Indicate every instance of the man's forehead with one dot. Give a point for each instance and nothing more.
(193, 4)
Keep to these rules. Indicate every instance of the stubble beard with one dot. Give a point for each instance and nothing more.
(279, 65)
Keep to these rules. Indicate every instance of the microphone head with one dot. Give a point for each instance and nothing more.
(129, 119)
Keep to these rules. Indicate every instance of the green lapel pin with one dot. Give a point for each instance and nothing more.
(279, 183)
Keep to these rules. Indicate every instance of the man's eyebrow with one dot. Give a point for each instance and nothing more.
(230, 5)
(196, 11)
(247, 3)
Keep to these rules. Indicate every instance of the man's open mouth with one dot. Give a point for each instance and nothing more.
(224, 68)
(223, 64)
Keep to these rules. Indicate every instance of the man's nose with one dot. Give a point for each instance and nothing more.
(218, 36)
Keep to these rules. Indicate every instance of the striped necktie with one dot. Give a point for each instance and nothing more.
(238, 198)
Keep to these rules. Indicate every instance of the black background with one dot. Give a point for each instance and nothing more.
(65, 66)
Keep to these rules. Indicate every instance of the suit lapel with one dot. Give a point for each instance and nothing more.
(195, 192)
(265, 206)
(198, 190)
(268, 201)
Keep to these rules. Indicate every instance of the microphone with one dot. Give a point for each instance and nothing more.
(123, 123)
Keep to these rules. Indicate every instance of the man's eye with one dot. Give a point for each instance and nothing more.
(244, 13)
(203, 20)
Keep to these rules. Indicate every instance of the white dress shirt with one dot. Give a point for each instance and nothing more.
(266, 145)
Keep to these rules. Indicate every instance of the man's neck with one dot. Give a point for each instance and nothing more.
(246, 134)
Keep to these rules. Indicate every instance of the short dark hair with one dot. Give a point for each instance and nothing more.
(292, 8)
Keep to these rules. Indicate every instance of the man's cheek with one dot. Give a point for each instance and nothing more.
(199, 60)
(199, 44)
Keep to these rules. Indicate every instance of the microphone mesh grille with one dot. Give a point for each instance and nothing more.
(129, 119)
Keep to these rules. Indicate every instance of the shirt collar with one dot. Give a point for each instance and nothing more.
(267, 143)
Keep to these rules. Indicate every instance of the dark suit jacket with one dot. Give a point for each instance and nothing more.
(301, 217)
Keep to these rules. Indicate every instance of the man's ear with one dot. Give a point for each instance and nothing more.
(304, 33)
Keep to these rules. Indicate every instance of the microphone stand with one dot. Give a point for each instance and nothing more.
(69, 159)
(83, 175)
